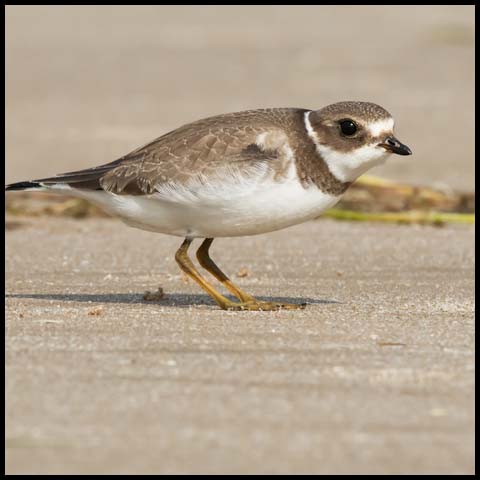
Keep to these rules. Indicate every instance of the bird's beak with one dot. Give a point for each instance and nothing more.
(391, 144)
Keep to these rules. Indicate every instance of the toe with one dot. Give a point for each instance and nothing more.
(263, 306)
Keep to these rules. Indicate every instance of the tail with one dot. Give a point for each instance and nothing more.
(23, 186)
(88, 179)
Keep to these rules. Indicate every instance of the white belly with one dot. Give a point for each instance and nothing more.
(209, 211)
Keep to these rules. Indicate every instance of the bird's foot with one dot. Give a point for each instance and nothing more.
(257, 305)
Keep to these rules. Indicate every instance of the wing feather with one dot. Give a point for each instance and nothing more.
(234, 144)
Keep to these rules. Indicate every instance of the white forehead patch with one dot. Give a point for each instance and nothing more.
(381, 126)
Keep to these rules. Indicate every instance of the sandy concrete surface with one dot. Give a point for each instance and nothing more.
(85, 85)
(375, 376)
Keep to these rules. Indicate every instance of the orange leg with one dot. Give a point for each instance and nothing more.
(247, 302)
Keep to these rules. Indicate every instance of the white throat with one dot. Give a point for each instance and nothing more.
(347, 167)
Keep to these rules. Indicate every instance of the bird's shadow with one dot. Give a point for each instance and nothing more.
(170, 300)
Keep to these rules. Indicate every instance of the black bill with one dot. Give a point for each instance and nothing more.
(391, 144)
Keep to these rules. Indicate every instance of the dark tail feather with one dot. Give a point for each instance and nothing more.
(88, 179)
(84, 179)
(22, 186)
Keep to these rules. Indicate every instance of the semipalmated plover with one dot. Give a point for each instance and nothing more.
(237, 174)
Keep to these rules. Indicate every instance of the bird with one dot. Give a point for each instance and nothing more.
(236, 174)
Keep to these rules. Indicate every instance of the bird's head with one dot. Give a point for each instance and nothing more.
(353, 137)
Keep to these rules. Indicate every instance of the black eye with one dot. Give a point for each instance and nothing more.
(348, 127)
